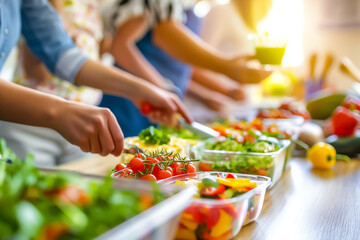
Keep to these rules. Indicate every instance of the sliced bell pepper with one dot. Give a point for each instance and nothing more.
(236, 182)
(223, 225)
(212, 191)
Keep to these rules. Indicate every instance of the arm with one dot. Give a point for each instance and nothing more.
(210, 80)
(117, 82)
(49, 41)
(127, 54)
(212, 99)
(182, 44)
(91, 128)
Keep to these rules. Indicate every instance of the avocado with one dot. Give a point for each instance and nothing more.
(322, 107)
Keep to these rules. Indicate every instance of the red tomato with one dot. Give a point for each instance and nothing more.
(120, 167)
(126, 173)
(151, 160)
(162, 174)
(189, 169)
(149, 177)
(170, 170)
(146, 108)
(136, 165)
(174, 166)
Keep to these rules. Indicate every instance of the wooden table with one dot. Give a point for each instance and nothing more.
(304, 204)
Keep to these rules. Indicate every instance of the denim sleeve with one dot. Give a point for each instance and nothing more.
(46, 37)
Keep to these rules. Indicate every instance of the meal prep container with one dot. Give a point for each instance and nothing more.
(266, 164)
(157, 222)
(219, 219)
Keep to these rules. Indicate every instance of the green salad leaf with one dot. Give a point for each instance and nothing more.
(32, 201)
(154, 136)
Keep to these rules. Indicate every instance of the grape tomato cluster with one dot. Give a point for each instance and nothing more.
(155, 166)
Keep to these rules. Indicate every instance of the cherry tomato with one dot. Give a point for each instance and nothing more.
(136, 165)
(149, 177)
(170, 170)
(174, 166)
(146, 108)
(152, 161)
(190, 168)
(120, 167)
(162, 174)
(126, 173)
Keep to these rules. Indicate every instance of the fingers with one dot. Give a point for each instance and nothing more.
(182, 110)
(116, 135)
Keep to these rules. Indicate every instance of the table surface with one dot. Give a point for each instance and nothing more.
(304, 204)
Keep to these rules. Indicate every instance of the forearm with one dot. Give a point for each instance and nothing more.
(22, 105)
(184, 45)
(209, 80)
(130, 58)
(110, 80)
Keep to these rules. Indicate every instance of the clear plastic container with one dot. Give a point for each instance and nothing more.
(220, 219)
(157, 222)
(265, 164)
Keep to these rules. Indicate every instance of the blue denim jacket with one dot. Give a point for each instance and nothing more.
(44, 33)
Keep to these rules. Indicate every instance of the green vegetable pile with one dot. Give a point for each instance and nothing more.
(180, 133)
(33, 203)
(262, 145)
(154, 136)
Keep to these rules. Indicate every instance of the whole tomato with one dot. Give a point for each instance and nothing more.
(163, 174)
(120, 167)
(136, 164)
(149, 177)
(153, 161)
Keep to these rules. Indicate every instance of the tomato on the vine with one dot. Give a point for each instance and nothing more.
(126, 173)
(162, 174)
(149, 177)
(170, 170)
(136, 165)
(174, 166)
(120, 167)
(185, 168)
(153, 161)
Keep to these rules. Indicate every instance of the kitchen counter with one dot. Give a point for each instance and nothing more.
(304, 204)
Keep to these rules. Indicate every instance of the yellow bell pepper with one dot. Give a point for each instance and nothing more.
(223, 225)
(322, 155)
(184, 233)
(189, 224)
(237, 182)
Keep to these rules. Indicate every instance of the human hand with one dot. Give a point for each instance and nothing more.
(239, 70)
(91, 128)
(164, 106)
(236, 93)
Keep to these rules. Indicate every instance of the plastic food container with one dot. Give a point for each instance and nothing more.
(219, 219)
(157, 222)
(264, 164)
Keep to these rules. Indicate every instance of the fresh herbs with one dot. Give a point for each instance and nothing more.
(154, 136)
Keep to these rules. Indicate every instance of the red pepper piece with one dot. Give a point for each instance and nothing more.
(230, 176)
(344, 122)
(211, 191)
